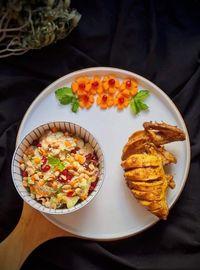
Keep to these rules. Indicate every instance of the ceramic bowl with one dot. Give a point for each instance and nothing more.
(35, 134)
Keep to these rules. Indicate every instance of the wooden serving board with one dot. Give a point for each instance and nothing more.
(32, 230)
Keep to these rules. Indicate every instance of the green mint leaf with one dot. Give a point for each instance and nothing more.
(64, 95)
(65, 100)
(142, 106)
(142, 95)
(56, 163)
(134, 106)
(75, 105)
(137, 103)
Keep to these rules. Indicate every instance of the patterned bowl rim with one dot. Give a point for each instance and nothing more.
(25, 195)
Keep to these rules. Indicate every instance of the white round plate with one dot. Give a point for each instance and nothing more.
(114, 213)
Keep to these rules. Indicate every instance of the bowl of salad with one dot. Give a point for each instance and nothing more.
(58, 167)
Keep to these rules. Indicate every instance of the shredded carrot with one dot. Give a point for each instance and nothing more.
(33, 178)
(42, 152)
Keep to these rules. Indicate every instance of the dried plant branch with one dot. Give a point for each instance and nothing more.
(26, 25)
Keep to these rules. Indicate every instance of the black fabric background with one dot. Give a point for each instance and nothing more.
(159, 40)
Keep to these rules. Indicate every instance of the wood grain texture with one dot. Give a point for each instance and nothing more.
(32, 230)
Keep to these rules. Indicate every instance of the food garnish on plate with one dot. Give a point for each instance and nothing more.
(106, 92)
(144, 159)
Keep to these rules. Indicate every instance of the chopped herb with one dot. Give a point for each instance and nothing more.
(56, 163)
(30, 181)
(65, 96)
(58, 190)
(137, 103)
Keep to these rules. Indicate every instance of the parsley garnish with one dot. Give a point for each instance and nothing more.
(66, 96)
(56, 163)
(137, 103)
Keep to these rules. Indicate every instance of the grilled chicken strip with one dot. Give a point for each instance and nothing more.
(157, 134)
(162, 133)
(143, 161)
(140, 161)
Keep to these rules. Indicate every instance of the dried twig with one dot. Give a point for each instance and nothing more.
(26, 25)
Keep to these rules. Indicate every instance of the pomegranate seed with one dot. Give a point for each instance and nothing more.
(45, 168)
(88, 156)
(64, 172)
(35, 142)
(111, 82)
(104, 98)
(39, 145)
(121, 100)
(86, 164)
(70, 193)
(44, 160)
(82, 86)
(94, 157)
(128, 83)
(69, 176)
(92, 186)
(95, 84)
(75, 150)
(85, 98)
(25, 174)
(60, 179)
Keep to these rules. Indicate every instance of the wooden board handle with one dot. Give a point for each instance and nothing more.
(32, 230)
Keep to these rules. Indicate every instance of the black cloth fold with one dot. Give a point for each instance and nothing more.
(138, 252)
(159, 40)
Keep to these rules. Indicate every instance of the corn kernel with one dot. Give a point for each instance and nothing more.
(36, 160)
(81, 159)
(68, 144)
(70, 159)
